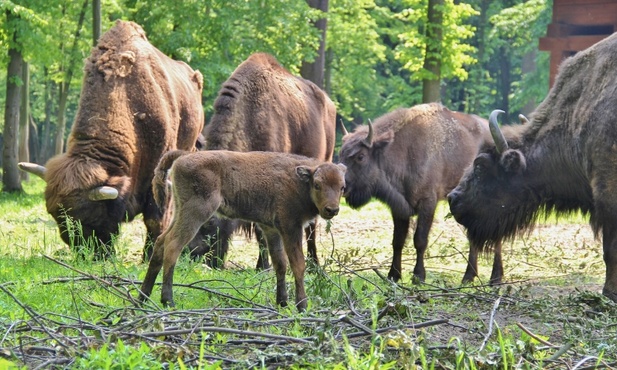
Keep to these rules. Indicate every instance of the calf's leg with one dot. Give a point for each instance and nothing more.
(279, 263)
(292, 242)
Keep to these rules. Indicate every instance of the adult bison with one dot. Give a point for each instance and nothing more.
(263, 107)
(410, 159)
(564, 160)
(279, 191)
(135, 105)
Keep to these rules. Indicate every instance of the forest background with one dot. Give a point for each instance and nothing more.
(378, 55)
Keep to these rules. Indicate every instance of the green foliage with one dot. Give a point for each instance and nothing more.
(119, 357)
(455, 54)
(215, 36)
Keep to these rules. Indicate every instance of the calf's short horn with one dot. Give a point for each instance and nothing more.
(103, 193)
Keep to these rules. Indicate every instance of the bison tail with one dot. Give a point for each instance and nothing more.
(160, 183)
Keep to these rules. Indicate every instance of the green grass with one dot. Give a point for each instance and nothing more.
(57, 311)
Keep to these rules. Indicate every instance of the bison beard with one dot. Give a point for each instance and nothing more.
(563, 161)
(135, 105)
(278, 191)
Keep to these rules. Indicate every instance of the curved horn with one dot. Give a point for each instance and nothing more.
(33, 168)
(103, 193)
(369, 137)
(523, 119)
(344, 129)
(500, 142)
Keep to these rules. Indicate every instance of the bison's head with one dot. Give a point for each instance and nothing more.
(327, 182)
(493, 200)
(360, 152)
(86, 205)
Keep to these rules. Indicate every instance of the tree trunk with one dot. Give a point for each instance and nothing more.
(314, 71)
(65, 85)
(432, 59)
(505, 81)
(46, 134)
(10, 172)
(63, 95)
(96, 21)
(24, 122)
(529, 66)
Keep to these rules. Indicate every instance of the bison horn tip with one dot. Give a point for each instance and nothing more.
(33, 168)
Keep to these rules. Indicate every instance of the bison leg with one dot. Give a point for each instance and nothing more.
(609, 244)
(263, 262)
(311, 246)
(153, 219)
(472, 263)
(426, 213)
(497, 273)
(401, 230)
(279, 263)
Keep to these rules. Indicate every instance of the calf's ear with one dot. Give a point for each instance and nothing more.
(342, 168)
(304, 173)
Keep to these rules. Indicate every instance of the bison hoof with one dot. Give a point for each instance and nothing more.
(394, 276)
(612, 295)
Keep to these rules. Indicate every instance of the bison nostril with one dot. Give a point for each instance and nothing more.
(451, 197)
(332, 211)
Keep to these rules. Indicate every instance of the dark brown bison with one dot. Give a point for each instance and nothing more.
(278, 191)
(410, 159)
(135, 105)
(564, 160)
(263, 107)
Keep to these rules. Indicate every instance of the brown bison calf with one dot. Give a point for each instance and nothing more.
(280, 192)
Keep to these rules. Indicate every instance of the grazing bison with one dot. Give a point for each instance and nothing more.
(262, 107)
(564, 160)
(410, 159)
(135, 105)
(278, 191)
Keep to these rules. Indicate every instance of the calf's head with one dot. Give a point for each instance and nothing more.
(493, 199)
(361, 152)
(327, 184)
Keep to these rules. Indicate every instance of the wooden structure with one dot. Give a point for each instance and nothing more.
(576, 25)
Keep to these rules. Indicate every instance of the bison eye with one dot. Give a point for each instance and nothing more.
(360, 157)
(317, 186)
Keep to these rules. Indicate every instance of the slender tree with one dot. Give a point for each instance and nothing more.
(66, 83)
(96, 21)
(24, 119)
(314, 71)
(10, 172)
(432, 58)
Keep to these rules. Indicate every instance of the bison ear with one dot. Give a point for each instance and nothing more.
(304, 173)
(383, 140)
(513, 161)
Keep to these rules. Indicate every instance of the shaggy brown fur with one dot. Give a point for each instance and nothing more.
(415, 157)
(564, 160)
(278, 191)
(263, 107)
(135, 105)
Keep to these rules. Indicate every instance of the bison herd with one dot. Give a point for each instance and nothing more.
(264, 163)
